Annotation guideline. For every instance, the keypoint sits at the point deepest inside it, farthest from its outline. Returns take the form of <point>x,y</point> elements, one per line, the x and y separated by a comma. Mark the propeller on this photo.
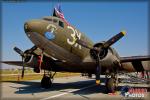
<point>98,51</point>
<point>24,55</point>
<point>114,39</point>
<point>19,51</point>
<point>22,74</point>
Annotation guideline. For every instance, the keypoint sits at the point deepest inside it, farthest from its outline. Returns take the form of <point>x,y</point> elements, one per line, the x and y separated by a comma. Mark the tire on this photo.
<point>89,75</point>
<point>110,85</point>
<point>46,82</point>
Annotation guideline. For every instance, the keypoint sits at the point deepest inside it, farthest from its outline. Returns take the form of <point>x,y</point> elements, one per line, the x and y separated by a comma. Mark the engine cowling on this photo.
<point>33,60</point>
<point>102,54</point>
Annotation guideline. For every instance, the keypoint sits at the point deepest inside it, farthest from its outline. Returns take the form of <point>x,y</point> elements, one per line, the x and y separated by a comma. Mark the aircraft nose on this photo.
<point>38,27</point>
<point>32,26</point>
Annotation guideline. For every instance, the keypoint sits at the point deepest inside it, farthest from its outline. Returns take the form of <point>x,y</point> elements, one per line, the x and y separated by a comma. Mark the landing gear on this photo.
<point>111,83</point>
<point>47,80</point>
<point>89,75</point>
<point>110,86</point>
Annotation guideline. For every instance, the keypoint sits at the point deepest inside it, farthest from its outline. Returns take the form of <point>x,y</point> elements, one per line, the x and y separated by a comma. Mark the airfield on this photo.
<point>73,87</point>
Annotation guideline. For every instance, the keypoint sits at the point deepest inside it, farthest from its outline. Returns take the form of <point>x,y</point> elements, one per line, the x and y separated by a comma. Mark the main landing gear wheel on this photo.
<point>46,82</point>
<point>110,85</point>
<point>47,79</point>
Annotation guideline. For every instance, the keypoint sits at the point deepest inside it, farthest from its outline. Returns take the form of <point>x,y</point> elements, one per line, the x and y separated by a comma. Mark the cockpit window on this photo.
<point>61,24</point>
<point>48,19</point>
<point>54,20</point>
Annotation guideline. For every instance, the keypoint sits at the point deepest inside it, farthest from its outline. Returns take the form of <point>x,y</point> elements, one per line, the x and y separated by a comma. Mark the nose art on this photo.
<point>49,35</point>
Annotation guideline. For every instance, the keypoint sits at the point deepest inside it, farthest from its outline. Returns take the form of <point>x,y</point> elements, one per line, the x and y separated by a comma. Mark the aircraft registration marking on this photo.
<point>75,35</point>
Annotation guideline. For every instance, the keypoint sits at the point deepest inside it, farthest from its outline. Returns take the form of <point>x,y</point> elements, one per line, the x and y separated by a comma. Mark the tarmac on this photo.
<point>70,88</point>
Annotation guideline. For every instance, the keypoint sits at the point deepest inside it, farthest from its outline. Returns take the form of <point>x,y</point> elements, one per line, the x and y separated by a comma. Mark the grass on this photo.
<point>32,75</point>
<point>14,71</point>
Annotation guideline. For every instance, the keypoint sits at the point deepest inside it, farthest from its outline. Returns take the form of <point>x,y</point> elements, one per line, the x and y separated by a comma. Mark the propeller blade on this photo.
<point>19,51</point>
<point>22,74</point>
<point>114,39</point>
<point>98,70</point>
<point>83,43</point>
<point>31,50</point>
<point>24,54</point>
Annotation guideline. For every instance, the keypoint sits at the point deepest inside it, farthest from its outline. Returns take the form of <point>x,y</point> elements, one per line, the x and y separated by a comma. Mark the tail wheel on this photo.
<point>110,85</point>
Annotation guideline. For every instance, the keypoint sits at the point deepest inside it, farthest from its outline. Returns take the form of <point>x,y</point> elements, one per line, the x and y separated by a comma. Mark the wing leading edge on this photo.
<point>17,63</point>
<point>134,58</point>
<point>136,63</point>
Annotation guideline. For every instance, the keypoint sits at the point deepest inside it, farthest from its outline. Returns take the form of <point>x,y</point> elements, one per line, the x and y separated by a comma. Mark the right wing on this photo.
<point>32,62</point>
<point>17,63</point>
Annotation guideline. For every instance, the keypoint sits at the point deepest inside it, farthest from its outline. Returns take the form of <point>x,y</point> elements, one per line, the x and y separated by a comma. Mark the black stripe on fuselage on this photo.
<point>138,66</point>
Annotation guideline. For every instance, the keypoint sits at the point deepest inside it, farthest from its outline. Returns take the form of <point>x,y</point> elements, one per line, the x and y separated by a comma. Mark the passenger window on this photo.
<point>61,24</point>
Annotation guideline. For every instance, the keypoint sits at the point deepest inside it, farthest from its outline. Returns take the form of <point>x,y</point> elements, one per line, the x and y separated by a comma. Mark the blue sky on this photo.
<point>98,20</point>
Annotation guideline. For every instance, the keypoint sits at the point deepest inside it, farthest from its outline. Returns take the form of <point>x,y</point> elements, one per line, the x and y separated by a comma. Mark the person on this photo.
<point>147,74</point>
<point>142,74</point>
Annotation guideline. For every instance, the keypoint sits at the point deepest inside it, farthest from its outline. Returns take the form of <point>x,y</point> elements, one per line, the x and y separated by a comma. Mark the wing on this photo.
<point>135,58</point>
<point>135,63</point>
<point>30,63</point>
<point>17,63</point>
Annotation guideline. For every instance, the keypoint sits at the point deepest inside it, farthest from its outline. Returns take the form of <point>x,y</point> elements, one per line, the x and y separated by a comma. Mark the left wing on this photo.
<point>136,63</point>
<point>135,58</point>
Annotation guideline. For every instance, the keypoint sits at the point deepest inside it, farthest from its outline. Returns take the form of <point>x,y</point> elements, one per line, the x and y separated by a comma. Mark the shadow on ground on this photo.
<point>32,87</point>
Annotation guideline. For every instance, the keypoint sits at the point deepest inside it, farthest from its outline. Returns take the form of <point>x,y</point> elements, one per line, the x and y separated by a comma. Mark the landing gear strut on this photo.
<point>47,79</point>
<point>111,83</point>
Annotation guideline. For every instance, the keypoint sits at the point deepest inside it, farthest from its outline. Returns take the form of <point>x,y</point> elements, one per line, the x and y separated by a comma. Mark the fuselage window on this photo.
<point>61,24</point>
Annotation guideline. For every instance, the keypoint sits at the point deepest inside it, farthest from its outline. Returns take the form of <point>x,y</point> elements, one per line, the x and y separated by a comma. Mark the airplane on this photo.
<point>60,47</point>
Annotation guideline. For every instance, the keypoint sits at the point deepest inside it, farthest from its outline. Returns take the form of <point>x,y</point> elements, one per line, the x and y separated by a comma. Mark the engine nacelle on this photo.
<point>33,60</point>
<point>102,54</point>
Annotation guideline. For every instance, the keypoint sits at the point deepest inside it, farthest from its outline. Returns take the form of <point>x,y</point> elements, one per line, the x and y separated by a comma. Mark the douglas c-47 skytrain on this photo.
<point>60,47</point>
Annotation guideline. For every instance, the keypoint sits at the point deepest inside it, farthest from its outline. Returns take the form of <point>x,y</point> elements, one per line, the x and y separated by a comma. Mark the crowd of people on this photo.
<point>145,74</point>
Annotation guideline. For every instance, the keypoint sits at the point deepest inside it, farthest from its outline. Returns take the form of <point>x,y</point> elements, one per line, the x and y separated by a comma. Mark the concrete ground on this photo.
<point>75,87</point>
